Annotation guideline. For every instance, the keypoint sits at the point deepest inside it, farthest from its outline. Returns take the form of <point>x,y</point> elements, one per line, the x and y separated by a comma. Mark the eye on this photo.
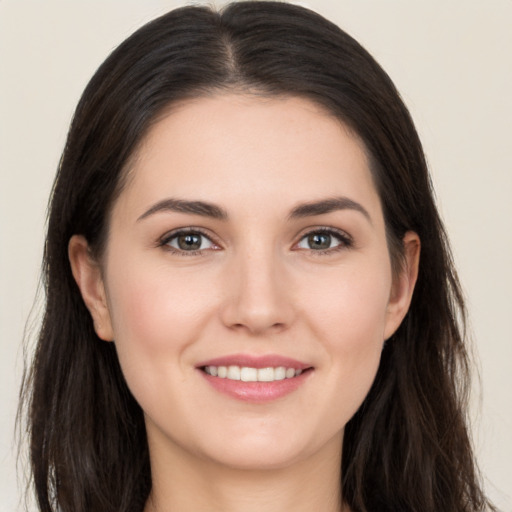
<point>188,241</point>
<point>324,240</point>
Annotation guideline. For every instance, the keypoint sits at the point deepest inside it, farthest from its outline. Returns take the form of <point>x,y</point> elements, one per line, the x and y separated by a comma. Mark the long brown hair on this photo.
<point>407,448</point>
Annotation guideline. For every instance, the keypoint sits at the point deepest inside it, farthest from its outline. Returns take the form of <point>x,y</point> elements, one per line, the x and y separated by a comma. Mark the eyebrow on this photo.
<point>182,206</point>
<point>206,209</point>
<point>327,206</point>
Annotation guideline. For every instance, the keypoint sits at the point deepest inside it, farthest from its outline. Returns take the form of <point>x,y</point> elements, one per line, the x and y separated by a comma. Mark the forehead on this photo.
<point>219,148</point>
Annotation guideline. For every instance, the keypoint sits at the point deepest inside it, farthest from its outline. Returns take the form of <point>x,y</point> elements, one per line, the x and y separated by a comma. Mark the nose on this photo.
<point>258,296</point>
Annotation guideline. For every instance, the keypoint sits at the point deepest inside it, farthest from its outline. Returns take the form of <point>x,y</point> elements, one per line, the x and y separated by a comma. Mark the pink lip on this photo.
<point>250,361</point>
<point>256,391</point>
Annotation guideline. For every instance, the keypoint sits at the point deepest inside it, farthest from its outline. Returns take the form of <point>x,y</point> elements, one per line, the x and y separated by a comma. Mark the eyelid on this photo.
<point>164,240</point>
<point>346,240</point>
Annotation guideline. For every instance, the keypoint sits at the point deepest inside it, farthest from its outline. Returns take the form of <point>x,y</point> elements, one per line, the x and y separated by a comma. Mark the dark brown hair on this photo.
<point>407,447</point>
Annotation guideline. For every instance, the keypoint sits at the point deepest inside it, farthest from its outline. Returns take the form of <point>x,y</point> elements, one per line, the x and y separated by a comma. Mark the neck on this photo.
<point>186,485</point>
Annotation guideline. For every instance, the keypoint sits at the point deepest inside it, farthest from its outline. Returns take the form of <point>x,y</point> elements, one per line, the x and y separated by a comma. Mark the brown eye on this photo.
<point>325,240</point>
<point>319,241</point>
<point>189,241</point>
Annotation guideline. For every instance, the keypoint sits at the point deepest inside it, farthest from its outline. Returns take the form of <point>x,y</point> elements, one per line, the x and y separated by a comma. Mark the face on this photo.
<point>247,283</point>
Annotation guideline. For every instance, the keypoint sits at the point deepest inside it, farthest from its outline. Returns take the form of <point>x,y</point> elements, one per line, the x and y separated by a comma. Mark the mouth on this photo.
<point>255,378</point>
<point>251,374</point>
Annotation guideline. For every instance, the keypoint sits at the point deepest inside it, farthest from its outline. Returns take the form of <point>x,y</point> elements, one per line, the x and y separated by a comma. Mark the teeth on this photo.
<point>248,374</point>
<point>280,373</point>
<point>266,374</point>
<point>290,372</point>
<point>233,372</point>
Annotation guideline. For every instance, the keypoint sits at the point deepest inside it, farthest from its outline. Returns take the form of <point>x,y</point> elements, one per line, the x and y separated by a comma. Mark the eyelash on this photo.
<point>166,240</point>
<point>345,241</point>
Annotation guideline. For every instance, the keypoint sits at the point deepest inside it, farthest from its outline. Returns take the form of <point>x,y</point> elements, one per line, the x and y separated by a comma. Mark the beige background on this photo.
<point>452,62</point>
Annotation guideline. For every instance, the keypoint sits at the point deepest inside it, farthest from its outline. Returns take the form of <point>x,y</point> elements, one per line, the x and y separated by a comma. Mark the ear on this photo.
<point>87,274</point>
<point>403,284</point>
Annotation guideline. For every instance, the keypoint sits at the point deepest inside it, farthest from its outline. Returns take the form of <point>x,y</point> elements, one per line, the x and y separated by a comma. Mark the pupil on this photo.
<point>189,242</point>
<point>319,241</point>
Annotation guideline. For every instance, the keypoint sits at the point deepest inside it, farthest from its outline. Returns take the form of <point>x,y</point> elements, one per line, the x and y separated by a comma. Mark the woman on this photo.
<point>237,311</point>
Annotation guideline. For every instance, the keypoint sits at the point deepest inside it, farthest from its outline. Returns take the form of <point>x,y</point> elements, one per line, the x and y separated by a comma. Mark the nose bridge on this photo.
<point>258,299</point>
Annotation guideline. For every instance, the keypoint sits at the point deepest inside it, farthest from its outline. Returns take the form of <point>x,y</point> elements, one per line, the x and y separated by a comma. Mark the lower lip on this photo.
<point>256,391</point>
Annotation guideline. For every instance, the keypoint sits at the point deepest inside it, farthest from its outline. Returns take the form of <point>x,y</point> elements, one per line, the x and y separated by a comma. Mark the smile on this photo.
<point>249,374</point>
<point>255,379</point>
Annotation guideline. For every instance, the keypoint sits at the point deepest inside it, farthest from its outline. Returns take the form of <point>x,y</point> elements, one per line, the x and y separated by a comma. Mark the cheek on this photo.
<point>156,313</point>
<point>349,308</point>
<point>157,317</point>
<point>349,317</point>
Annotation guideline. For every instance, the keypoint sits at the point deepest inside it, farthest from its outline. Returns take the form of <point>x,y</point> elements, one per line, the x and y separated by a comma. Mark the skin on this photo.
<point>257,286</point>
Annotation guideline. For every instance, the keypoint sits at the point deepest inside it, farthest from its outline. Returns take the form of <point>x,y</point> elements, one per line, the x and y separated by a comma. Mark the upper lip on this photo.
<point>252,361</point>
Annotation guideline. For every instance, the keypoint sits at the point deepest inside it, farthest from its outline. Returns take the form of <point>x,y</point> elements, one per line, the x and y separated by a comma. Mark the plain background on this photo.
<point>452,62</point>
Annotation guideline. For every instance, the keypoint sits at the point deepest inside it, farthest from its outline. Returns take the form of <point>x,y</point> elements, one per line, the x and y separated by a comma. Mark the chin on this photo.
<point>270,451</point>
<point>254,458</point>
